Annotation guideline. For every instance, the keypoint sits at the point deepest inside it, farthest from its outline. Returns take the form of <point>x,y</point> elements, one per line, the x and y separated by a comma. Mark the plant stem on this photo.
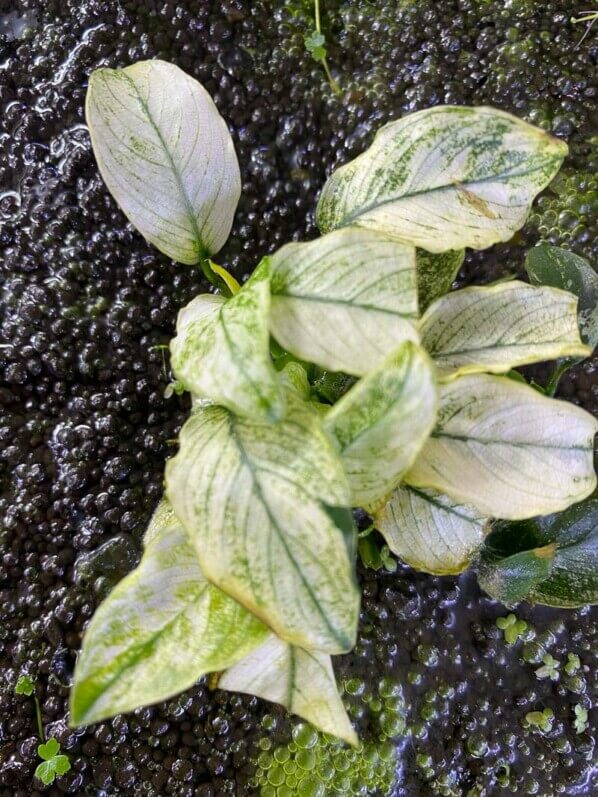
<point>366,532</point>
<point>555,377</point>
<point>231,283</point>
<point>333,84</point>
<point>317,15</point>
<point>38,715</point>
<point>214,273</point>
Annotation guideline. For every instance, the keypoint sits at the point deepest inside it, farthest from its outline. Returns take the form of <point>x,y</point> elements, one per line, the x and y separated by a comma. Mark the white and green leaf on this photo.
<point>436,274</point>
<point>430,532</point>
<point>166,155</point>
<point>346,300</point>
<point>160,629</point>
<point>506,449</point>
<point>383,421</point>
<point>221,350</point>
<point>264,506</point>
<point>445,178</point>
<point>300,680</point>
<point>496,328</point>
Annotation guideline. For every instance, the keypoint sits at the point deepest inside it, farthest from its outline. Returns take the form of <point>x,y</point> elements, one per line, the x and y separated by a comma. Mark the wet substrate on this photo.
<point>85,428</point>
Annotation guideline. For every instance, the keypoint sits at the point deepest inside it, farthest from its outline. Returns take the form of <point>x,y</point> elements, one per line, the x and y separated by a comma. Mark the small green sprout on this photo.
<point>372,556</point>
<point>573,664</point>
<point>550,668</point>
<point>173,388</point>
<point>25,686</point>
<point>580,723</point>
<point>542,720</point>
<point>315,44</point>
<point>511,627</point>
<point>53,763</point>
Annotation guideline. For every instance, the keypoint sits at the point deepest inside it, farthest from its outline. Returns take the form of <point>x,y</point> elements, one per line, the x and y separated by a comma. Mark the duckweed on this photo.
<point>314,764</point>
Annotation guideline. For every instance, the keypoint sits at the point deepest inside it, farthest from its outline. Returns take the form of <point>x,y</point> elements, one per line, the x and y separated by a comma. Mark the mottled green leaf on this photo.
<point>436,274</point>
<point>549,265</point>
<point>381,424</point>
<point>166,155</point>
<point>346,300</point>
<point>300,680</point>
<point>158,631</point>
<point>254,498</point>
<point>551,560</point>
<point>512,579</point>
<point>221,350</point>
<point>499,327</point>
<point>506,449</point>
<point>445,178</point>
<point>430,532</point>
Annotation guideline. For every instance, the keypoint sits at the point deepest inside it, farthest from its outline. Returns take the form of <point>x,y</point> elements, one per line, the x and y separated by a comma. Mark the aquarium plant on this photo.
<point>53,763</point>
<point>248,569</point>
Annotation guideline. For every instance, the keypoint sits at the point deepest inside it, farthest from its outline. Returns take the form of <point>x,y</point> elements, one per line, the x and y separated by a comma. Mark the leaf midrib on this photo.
<point>356,214</point>
<point>202,252</point>
<point>246,460</point>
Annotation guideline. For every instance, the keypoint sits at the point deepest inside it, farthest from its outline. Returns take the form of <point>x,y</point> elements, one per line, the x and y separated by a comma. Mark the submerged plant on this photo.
<point>248,568</point>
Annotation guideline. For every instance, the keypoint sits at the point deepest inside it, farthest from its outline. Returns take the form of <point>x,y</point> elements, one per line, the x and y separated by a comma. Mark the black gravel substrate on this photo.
<point>85,429</point>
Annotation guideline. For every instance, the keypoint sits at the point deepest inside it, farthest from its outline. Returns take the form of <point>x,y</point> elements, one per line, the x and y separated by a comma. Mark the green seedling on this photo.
<point>53,763</point>
<point>315,44</point>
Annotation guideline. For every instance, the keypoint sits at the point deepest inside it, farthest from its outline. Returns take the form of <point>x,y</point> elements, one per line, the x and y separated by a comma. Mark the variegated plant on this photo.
<point>248,569</point>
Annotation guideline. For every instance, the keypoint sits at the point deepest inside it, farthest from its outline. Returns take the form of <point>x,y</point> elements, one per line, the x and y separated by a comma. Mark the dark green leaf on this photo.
<point>436,274</point>
<point>330,385</point>
<point>551,560</point>
<point>369,553</point>
<point>549,265</point>
<point>511,579</point>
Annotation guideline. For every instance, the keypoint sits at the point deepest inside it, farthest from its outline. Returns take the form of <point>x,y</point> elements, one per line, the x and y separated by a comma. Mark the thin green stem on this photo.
<point>555,377</point>
<point>333,83</point>
<point>317,15</point>
<point>38,715</point>
<point>587,16</point>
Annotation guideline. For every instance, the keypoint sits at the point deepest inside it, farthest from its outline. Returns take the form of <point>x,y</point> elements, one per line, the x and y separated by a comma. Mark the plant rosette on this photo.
<point>342,374</point>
